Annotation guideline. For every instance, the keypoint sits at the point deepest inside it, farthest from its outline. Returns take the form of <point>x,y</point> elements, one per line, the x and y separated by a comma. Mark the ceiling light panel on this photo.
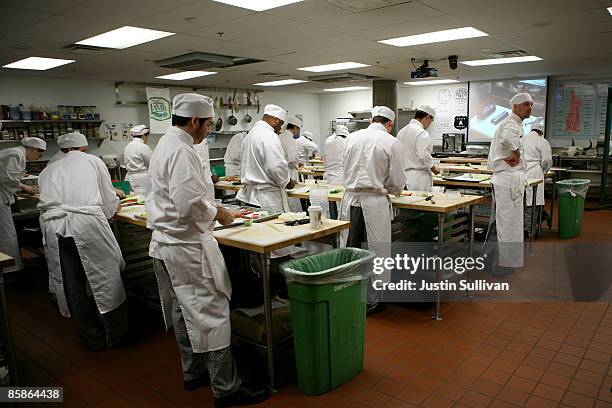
<point>258,5</point>
<point>124,37</point>
<point>38,63</point>
<point>334,67</point>
<point>435,37</point>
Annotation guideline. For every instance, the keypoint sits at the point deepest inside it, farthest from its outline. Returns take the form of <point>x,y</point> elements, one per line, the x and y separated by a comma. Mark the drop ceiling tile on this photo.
<point>355,22</point>
<point>415,27</point>
<point>307,11</point>
<point>252,24</point>
<point>68,29</point>
<point>120,11</point>
<point>239,49</point>
<point>174,45</point>
<point>192,16</point>
<point>14,20</point>
<point>54,6</point>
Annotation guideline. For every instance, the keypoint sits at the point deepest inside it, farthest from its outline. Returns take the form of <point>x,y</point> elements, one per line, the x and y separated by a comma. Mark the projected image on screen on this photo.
<point>489,105</point>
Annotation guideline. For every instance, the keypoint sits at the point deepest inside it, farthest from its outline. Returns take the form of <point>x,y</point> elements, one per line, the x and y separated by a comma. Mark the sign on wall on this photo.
<point>160,109</point>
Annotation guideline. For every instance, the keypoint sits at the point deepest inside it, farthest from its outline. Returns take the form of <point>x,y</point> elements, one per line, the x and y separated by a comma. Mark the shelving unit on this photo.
<point>48,129</point>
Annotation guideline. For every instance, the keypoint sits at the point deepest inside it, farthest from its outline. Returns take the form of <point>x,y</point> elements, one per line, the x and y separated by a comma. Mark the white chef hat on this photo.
<point>537,126</point>
<point>192,105</point>
<point>384,112</point>
<point>139,130</point>
<point>307,135</point>
<point>428,110</point>
<point>34,142</point>
<point>295,121</point>
<point>342,130</point>
<point>73,139</point>
<point>520,98</point>
<point>276,111</point>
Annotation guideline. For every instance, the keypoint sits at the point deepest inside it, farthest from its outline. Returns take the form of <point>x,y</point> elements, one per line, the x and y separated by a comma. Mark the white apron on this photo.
<point>138,182</point>
<point>534,171</point>
<point>203,289</point>
<point>419,180</point>
<point>98,249</point>
<point>509,187</point>
<point>8,237</point>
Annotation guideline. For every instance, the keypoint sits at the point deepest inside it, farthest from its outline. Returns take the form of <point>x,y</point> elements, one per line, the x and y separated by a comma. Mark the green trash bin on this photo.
<point>572,193</point>
<point>328,304</point>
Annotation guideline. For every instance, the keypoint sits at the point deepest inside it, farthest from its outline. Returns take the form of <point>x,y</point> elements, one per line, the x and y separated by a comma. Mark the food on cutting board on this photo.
<point>406,193</point>
<point>229,178</point>
<point>142,215</point>
<point>291,216</point>
<point>336,191</point>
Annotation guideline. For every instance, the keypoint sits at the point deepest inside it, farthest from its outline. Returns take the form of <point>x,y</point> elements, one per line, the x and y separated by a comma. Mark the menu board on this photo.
<point>580,109</point>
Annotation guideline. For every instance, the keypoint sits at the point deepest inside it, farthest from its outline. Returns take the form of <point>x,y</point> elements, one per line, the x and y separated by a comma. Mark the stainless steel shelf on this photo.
<point>52,140</point>
<point>50,121</point>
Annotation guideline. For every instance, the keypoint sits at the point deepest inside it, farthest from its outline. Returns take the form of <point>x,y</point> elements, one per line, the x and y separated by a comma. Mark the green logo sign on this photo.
<point>159,108</point>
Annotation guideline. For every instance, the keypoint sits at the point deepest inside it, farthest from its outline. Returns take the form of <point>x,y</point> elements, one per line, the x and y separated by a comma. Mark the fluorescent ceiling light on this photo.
<point>497,61</point>
<point>281,82</point>
<point>334,67</point>
<point>347,88</point>
<point>610,10</point>
<point>181,76</point>
<point>432,82</point>
<point>124,37</point>
<point>435,37</point>
<point>38,63</point>
<point>258,5</point>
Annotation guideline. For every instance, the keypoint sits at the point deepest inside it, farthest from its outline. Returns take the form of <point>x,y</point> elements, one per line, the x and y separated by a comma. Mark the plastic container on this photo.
<point>14,112</point>
<point>218,170</point>
<point>319,197</point>
<point>123,185</point>
<point>327,295</point>
<point>572,193</point>
<point>26,113</point>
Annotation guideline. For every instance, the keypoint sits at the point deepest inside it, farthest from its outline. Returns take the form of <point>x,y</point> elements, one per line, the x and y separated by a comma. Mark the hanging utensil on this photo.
<point>257,98</point>
<point>247,118</point>
<point>236,103</point>
<point>218,124</point>
<point>232,120</point>
<point>248,98</point>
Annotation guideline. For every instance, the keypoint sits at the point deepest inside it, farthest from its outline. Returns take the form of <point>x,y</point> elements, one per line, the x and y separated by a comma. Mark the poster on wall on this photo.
<point>160,113</point>
<point>575,110</point>
<point>489,103</point>
<point>450,103</point>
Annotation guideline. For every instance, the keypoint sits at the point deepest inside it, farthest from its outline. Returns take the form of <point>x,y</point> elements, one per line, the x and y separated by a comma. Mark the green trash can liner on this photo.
<point>327,293</point>
<point>572,194</point>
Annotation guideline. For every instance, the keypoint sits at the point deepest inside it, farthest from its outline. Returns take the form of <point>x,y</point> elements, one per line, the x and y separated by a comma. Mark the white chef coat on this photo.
<point>334,166</point>
<point>538,160</point>
<point>182,219</point>
<point>12,167</point>
<point>76,200</point>
<point>417,151</point>
<point>137,156</point>
<point>204,156</point>
<point>306,148</point>
<point>373,168</point>
<point>509,187</point>
<point>290,149</point>
<point>233,155</point>
<point>59,155</point>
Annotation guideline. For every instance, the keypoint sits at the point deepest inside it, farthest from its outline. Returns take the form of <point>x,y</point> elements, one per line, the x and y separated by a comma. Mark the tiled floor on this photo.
<point>483,354</point>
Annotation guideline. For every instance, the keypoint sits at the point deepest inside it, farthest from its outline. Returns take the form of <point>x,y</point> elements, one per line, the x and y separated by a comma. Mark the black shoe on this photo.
<point>243,396</point>
<point>373,308</point>
<point>192,385</point>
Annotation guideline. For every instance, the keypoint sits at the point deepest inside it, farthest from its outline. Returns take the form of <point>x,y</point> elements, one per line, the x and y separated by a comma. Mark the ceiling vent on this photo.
<point>359,6</point>
<point>272,74</point>
<point>508,54</point>
<point>201,60</point>
<point>85,49</point>
<point>340,77</point>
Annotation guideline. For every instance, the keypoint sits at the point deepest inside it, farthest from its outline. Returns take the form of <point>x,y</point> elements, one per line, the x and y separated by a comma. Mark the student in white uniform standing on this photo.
<point>12,169</point>
<point>417,150</point>
<point>538,160</point>
<point>335,145</point>
<point>233,155</point>
<point>290,148</point>
<point>507,161</point>
<point>76,200</point>
<point>373,168</point>
<point>137,156</point>
<point>69,140</point>
<point>191,273</point>
<point>306,147</point>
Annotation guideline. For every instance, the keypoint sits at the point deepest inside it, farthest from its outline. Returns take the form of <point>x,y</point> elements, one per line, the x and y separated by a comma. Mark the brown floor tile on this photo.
<point>450,391</point>
<point>598,356</point>
<point>577,401</point>
<point>572,350</point>
<point>594,366</point>
<point>577,341</point>
<point>475,400</point>
<point>548,392</point>
<point>412,395</point>
<point>539,402</point>
<point>584,388</point>
<point>562,369</point>
<point>424,383</point>
<point>589,376</point>
<point>567,359</point>
<point>555,380</point>
<point>536,362</point>
<point>437,402</point>
<point>605,394</point>
<point>529,372</point>
<point>389,387</point>
<point>395,403</point>
<point>472,369</point>
<point>519,347</point>
<point>601,347</point>
<point>481,359</point>
<point>542,353</point>
<point>369,397</point>
<point>461,380</point>
<point>512,356</point>
<point>513,396</point>
<point>522,384</point>
<point>502,404</point>
<point>505,366</point>
<point>549,344</point>
<point>497,377</point>
<point>487,388</point>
